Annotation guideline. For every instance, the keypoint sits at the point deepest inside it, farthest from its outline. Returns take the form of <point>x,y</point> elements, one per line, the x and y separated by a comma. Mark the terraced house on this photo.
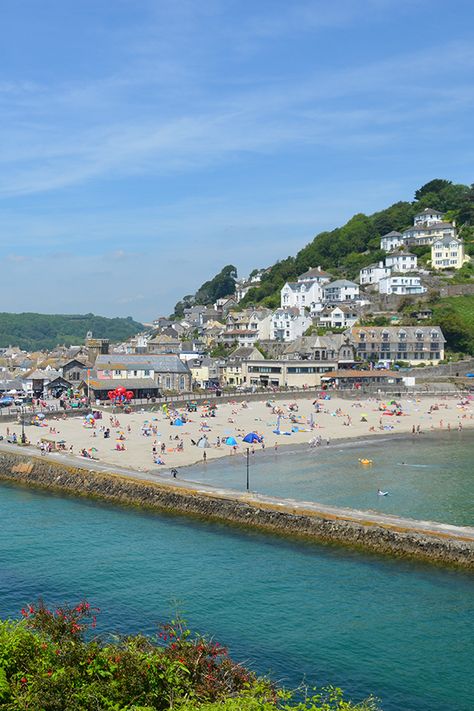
<point>413,344</point>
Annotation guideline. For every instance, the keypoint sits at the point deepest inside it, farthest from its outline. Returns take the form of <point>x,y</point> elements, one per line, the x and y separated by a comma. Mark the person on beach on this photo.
<point>204,456</point>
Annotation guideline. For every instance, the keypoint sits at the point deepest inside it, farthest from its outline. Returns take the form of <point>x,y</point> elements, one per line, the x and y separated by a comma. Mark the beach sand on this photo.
<point>339,418</point>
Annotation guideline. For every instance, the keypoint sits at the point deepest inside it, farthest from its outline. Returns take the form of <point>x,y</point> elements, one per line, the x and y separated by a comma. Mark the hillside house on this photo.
<point>339,291</point>
<point>403,285</point>
<point>448,253</point>
<point>288,324</point>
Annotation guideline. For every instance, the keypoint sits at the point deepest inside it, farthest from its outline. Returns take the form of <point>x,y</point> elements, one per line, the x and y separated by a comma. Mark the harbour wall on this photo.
<point>283,518</point>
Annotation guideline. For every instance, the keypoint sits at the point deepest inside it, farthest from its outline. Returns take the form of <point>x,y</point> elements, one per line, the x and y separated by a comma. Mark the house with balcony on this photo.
<point>414,344</point>
<point>402,285</point>
<point>338,316</point>
<point>340,291</point>
<point>401,262</point>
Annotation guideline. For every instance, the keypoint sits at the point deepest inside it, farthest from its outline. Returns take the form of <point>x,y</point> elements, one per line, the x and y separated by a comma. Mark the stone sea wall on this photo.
<point>51,475</point>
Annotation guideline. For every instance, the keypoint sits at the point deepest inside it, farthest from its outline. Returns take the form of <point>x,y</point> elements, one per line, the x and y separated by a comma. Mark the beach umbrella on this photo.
<point>178,422</point>
<point>231,441</point>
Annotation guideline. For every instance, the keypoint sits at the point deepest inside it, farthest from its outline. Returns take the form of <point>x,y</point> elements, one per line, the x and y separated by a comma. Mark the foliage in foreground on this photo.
<point>51,661</point>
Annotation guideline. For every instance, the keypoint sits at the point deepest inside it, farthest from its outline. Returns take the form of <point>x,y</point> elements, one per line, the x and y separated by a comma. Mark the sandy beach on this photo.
<point>141,439</point>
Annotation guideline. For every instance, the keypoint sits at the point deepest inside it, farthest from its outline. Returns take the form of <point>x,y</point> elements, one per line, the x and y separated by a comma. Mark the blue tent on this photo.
<point>179,422</point>
<point>231,441</point>
<point>252,437</point>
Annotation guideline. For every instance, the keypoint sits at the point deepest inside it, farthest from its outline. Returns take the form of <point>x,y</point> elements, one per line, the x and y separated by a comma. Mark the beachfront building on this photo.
<point>283,373</point>
<point>339,291</point>
<point>231,371</point>
<point>288,323</point>
<point>402,285</point>
<point>414,344</point>
<point>448,253</point>
<point>166,371</point>
<point>333,350</point>
<point>204,372</point>
<point>373,273</point>
<point>306,292</point>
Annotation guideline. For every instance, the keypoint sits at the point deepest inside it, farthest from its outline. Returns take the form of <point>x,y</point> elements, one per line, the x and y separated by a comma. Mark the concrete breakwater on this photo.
<point>390,535</point>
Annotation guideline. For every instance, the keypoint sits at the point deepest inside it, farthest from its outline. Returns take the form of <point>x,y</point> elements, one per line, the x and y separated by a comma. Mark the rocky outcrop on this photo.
<point>53,475</point>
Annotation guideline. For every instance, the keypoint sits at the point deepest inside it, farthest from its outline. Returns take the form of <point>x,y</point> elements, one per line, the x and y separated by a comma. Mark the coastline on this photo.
<point>339,421</point>
<point>383,534</point>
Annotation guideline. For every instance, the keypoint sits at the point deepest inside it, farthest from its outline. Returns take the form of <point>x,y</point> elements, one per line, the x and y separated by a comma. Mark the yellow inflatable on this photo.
<point>366,461</point>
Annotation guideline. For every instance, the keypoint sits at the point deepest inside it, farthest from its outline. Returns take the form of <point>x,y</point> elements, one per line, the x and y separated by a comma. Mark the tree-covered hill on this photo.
<point>32,331</point>
<point>345,250</point>
<point>223,284</point>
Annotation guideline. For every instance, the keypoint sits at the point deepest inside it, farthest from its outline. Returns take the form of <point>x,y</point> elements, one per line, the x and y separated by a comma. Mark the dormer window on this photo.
<point>434,334</point>
<point>385,335</point>
<point>402,335</point>
<point>419,335</point>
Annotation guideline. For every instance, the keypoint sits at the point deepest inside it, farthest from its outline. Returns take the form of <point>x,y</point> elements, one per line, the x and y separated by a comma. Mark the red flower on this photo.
<point>24,680</point>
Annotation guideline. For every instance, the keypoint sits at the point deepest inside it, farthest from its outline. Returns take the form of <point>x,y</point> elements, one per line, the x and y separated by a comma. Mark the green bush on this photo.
<point>52,660</point>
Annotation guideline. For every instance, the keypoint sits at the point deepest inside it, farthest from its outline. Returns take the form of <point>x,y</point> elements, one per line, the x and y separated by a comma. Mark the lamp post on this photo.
<point>22,413</point>
<point>248,468</point>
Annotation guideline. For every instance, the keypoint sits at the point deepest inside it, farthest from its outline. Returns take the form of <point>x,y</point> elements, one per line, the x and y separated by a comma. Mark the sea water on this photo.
<point>401,630</point>
<point>427,477</point>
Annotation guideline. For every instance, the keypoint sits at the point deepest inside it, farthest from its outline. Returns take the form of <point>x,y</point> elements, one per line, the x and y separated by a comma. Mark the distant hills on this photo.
<point>33,332</point>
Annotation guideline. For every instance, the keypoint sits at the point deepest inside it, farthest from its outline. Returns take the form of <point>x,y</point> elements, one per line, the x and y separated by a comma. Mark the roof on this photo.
<point>400,253</point>
<point>393,233</point>
<point>393,331</point>
<point>129,383</point>
<point>428,211</point>
<point>340,283</point>
<point>447,240</point>
<point>314,273</point>
<point>430,228</point>
<point>158,363</point>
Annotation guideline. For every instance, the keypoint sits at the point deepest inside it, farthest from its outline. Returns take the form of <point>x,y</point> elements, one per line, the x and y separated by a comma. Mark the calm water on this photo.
<point>401,630</point>
<point>427,477</point>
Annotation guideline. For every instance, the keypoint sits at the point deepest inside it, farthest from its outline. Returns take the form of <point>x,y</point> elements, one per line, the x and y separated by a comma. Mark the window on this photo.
<point>117,372</point>
<point>146,373</point>
<point>135,373</point>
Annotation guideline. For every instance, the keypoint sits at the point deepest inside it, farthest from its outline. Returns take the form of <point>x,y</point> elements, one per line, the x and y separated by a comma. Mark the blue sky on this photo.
<point>147,143</point>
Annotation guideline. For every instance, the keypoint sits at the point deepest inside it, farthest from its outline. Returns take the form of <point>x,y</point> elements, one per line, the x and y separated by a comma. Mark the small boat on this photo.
<point>382,493</point>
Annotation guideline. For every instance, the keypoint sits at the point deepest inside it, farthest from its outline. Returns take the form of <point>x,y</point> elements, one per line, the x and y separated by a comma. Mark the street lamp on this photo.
<point>23,436</point>
<point>248,468</point>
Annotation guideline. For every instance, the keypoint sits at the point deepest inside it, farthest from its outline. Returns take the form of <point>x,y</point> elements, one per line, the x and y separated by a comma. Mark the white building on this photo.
<point>401,285</point>
<point>340,290</point>
<point>428,216</point>
<point>392,240</point>
<point>343,316</point>
<point>448,253</point>
<point>307,291</point>
<point>373,273</point>
<point>401,262</point>
<point>288,324</point>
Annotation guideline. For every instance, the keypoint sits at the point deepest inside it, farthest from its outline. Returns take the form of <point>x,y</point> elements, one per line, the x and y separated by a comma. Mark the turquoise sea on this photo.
<point>428,477</point>
<point>401,630</point>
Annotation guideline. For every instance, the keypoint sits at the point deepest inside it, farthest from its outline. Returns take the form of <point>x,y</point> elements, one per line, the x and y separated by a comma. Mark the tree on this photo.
<point>433,187</point>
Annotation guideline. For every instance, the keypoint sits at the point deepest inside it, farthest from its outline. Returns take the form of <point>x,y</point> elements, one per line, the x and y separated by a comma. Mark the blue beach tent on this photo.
<point>252,437</point>
<point>231,441</point>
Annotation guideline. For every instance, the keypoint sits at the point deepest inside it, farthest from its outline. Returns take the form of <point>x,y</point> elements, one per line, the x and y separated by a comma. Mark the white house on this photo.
<point>343,316</point>
<point>401,262</point>
<point>392,240</point>
<point>340,290</point>
<point>373,273</point>
<point>426,234</point>
<point>428,216</point>
<point>448,253</point>
<point>401,285</point>
<point>288,324</point>
<point>307,291</point>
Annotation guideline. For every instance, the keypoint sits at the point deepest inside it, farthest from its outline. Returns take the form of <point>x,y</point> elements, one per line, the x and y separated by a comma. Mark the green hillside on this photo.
<point>455,315</point>
<point>33,332</point>
<point>345,250</point>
